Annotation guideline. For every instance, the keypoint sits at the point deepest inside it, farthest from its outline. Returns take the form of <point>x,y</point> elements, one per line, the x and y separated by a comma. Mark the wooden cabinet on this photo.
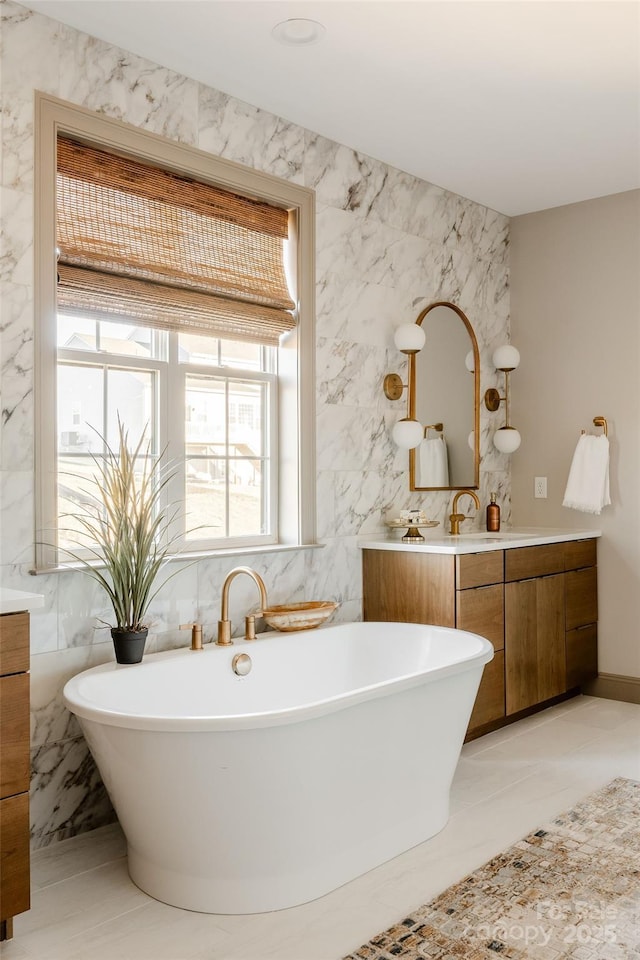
<point>537,606</point>
<point>14,769</point>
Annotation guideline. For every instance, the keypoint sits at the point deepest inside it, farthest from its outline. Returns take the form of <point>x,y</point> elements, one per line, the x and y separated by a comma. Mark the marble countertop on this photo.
<point>14,601</point>
<point>479,541</point>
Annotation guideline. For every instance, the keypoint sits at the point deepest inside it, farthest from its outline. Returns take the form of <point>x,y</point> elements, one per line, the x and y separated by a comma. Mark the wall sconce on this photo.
<point>507,439</point>
<point>409,339</point>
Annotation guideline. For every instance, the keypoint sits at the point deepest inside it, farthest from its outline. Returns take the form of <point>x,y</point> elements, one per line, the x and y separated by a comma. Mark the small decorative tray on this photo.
<point>413,527</point>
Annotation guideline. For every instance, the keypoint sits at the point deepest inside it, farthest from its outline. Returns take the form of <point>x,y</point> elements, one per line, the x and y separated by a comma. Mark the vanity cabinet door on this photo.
<point>408,588</point>
<point>482,611</point>
<point>14,856</point>
<point>14,734</point>
<point>535,660</point>
<point>14,768</point>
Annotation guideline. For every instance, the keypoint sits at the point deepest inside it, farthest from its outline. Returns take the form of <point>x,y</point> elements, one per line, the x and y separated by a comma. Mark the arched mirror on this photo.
<point>444,392</point>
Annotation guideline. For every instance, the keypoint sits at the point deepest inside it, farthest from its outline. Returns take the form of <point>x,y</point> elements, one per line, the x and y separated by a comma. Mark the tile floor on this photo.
<point>84,907</point>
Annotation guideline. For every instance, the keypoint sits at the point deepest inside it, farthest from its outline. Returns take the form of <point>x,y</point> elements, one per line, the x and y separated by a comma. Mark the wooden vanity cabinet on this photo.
<point>14,769</point>
<point>537,605</point>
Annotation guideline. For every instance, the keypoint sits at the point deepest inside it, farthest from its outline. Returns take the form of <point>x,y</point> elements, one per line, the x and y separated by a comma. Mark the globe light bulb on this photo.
<point>506,357</point>
<point>409,338</point>
<point>407,433</point>
<point>506,439</point>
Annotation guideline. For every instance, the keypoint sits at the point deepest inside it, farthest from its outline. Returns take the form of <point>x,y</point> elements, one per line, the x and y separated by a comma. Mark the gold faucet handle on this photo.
<point>250,627</point>
<point>196,634</point>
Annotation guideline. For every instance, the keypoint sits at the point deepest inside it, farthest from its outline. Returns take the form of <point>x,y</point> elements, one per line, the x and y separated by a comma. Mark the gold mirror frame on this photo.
<point>476,399</point>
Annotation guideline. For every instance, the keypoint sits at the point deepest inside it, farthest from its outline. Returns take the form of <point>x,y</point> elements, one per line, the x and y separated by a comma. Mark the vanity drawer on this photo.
<point>482,611</point>
<point>579,553</point>
<point>14,734</point>
<point>524,563</point>
<point>14,856</point>
<point>581,595</point>
<point>479,569</point>
<point>14,643</point>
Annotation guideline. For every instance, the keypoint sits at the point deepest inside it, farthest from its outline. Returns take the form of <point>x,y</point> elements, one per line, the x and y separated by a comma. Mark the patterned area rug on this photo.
<point>568,891</point>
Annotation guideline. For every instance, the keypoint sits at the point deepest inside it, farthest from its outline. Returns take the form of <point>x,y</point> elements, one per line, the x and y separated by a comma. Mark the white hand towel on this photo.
<point>433,463</point>
<point>588,483</point>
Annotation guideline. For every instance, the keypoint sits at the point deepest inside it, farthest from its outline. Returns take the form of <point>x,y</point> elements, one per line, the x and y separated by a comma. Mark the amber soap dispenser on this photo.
<point>493,515</point>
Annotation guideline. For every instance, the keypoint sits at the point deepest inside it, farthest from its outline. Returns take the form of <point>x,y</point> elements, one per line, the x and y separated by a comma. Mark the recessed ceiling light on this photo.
<point>299,31</point>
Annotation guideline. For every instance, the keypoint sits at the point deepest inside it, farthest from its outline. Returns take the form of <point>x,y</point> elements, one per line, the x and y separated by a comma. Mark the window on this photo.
<point>220,380</point>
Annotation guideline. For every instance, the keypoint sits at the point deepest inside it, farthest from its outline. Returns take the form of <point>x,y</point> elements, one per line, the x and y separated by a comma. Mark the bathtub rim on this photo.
<point>85,709</point>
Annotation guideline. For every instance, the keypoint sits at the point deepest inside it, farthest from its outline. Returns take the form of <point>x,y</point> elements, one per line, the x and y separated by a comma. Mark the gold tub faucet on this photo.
<point>224,624</point>
<point>455,518</point>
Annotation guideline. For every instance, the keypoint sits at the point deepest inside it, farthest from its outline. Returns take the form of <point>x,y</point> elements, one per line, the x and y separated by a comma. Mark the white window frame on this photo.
<point>167,427</point>
<point>296,355</point>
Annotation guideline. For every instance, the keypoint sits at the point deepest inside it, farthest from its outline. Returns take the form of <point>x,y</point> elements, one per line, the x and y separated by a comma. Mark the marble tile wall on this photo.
<point>387,245</point>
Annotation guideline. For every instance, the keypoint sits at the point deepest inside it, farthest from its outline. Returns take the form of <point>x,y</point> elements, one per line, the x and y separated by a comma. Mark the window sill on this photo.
<point>194,556</point>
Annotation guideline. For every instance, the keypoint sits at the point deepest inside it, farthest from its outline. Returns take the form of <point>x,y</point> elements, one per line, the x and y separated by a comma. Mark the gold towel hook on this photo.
<point>601,422</point>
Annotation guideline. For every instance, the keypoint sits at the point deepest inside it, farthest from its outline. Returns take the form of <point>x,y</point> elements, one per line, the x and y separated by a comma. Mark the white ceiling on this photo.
<point>517,104</point>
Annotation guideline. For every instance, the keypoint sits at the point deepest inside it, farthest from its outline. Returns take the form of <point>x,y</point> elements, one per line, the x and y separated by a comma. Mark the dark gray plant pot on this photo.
<point>128,644</point>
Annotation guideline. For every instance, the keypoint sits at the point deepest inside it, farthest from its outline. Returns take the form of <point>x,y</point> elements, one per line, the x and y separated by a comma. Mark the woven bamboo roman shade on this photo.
<point>163,250</point>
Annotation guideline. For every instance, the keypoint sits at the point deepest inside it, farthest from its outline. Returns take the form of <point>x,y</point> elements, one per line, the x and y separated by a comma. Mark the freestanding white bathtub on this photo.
<point>248,794</point>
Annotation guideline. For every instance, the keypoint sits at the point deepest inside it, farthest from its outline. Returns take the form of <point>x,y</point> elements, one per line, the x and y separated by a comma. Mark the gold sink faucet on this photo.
<point>455,518</point>
<point>224,624</point>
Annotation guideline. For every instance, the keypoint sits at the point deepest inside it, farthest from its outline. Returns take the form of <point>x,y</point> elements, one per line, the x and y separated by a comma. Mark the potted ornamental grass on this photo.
<point>126,537</point>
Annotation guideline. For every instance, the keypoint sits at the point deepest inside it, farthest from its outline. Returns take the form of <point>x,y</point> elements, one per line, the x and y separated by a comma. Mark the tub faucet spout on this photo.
<point>224,623</point>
